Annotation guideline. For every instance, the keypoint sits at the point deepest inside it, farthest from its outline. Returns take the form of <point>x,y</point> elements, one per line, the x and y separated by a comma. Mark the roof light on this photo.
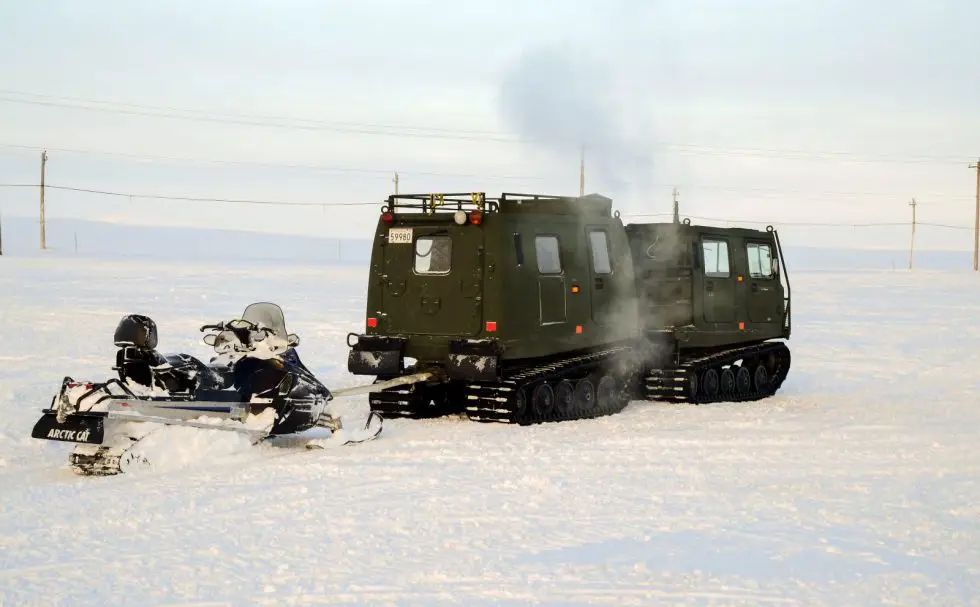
<point>387,217</point>
<point>459,217</point>
<point>476,217</point>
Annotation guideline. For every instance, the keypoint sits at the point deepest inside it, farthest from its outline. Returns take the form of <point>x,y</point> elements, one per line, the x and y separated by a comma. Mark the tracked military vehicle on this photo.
<point>532,308</point>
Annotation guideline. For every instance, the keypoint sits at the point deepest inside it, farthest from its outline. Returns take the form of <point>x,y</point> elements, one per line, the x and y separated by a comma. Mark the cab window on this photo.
<point>433,254</point>
<point>715,255</point>
<point>760,260</point>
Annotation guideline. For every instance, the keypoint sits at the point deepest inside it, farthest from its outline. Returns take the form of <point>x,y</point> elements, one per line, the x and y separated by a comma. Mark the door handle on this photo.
<point>755,287</point>
<point>598,283</point>
<point>710,285</point>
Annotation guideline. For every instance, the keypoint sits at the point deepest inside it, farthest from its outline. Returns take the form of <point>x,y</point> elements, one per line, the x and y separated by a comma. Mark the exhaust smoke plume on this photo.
<point>563,98</point>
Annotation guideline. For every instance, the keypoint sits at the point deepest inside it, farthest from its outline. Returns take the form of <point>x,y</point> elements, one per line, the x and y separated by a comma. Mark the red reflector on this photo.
<point>372,322</point>
<point>476,217</point>
<point>491,326</point>
<point>387,217</point>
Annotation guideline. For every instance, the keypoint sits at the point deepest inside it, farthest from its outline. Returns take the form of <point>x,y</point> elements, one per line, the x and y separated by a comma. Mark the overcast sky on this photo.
<point>768,110</point>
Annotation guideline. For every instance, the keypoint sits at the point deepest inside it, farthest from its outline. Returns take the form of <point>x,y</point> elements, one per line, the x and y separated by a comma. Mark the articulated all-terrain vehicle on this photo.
<point>532,308</point>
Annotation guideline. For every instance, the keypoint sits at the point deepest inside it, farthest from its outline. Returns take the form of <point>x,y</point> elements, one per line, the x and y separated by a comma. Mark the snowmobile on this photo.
<point>255,386</point>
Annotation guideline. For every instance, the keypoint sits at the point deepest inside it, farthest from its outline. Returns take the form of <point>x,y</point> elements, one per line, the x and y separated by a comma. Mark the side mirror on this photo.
<point>293,340</point>
<point>211,339</point>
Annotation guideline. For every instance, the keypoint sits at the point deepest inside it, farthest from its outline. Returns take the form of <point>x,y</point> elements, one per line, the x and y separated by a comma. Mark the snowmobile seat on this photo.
<point>138,360</point>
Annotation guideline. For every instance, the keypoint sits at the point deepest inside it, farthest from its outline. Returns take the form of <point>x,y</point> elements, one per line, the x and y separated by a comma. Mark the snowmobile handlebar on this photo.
<point>246,334</point>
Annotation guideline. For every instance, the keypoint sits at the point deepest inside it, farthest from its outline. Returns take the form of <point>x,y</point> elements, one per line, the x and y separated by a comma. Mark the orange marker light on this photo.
<point>574,288</point>
<point>741,326</point>
<point>740,278</point>
<point>491,326</point>
<point>578,328</point>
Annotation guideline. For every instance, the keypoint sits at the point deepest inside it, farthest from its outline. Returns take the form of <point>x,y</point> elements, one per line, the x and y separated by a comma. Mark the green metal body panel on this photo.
<point>710,287</point>
<point>541,277</point>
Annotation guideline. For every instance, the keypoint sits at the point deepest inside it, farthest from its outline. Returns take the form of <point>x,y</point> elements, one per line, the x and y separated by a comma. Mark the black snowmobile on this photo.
<point>256,385</point>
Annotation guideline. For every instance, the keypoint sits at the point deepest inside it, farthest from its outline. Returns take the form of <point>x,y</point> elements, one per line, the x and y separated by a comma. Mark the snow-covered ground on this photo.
<point>856,485</point>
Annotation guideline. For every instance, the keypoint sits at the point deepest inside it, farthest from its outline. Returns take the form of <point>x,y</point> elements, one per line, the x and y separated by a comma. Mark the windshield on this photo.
<point>268,314</point>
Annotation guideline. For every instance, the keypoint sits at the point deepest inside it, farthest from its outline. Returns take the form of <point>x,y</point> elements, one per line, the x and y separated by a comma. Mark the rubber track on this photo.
<point>674,385</point>
<point>414,401</point>
<point>498,402</point>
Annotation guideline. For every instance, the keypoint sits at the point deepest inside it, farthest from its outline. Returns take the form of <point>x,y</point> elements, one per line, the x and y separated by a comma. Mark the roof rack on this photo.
<point>430,203</point>
<point>458,201</point>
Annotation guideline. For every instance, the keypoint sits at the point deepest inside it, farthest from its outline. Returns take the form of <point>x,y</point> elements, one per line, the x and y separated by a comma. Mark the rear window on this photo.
<point>433,254</point>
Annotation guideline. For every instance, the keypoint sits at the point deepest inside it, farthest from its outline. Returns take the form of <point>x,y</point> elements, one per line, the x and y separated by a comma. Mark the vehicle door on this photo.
<point>551,279</point>
<point>718,279</point>
<point>602,289</point>
<point>434,279</point>
<point>765,293</point>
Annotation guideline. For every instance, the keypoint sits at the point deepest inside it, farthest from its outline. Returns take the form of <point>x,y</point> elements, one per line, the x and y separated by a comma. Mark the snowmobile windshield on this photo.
<point>269,315</point>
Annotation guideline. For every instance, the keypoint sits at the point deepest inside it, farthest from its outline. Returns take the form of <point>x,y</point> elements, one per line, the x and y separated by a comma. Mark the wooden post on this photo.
<point>976,224</point>
<point>44,162</point>
<point>912,245</point>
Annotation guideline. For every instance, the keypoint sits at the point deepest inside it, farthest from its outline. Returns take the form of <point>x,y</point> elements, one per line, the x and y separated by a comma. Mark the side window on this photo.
<point>518,249</point>
<point>599,242</point>
<point>433,254</point>
<point>760,260</point>
<point>549,254</point>
<point>716,263</point>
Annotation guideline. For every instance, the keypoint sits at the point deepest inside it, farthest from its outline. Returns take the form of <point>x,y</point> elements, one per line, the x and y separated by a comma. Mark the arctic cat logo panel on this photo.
<point>75,429</point>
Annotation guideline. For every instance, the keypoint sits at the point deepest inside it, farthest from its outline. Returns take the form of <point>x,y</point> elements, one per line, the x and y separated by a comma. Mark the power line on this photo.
<point>735,221</point>
<point>385,174</point>
<point>433,132</point>
<point>266,123</point>
<point>310,167</point>
<point>192,198</point>
<point>250,116</point>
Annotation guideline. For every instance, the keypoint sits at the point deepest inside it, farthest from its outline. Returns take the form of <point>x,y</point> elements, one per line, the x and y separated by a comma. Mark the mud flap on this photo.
<point>89,429</point>
<point>376,355</point>
<point>474,360</point>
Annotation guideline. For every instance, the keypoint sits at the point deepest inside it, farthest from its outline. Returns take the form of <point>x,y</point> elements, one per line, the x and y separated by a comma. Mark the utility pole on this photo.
<point>581,173</point>
<point>677,208</point>
<point>1,236</point>
<point>396,183</point>
<point>44,162</point>
<point>976,225</point>
<point>912,246</point>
